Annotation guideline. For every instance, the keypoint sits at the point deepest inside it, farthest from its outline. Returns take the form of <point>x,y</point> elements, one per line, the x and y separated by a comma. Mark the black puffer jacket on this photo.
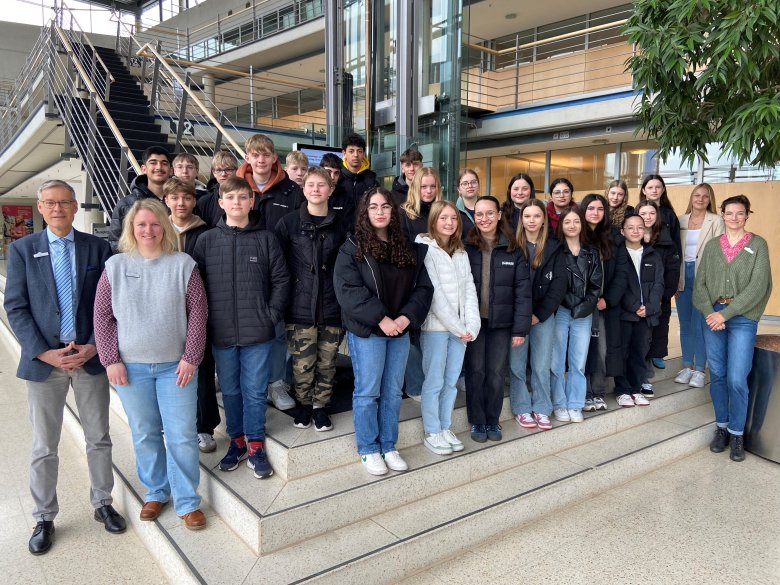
<point>510,287</point>
<point>311,250</point>
<point>647,289</point>
<point>400,189</point>
<point>666,247</point>
<point>357,285</point>
<point>672,223</point>
<point>277,201</point>
<point>139,189</point>
<point>584,275</point>
<point>207,207</point>
<point>419,225</point>
<point>247,283</point>
<point>349,189</point>
<point>549,285</point>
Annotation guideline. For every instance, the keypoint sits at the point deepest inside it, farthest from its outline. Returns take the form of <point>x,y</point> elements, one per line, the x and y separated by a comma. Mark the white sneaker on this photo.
<point>575,415</point>
<point>600,403</point>
<point>561,414</point>
<point>394,461</point>
<point>460,385</point>
<point>206,443</point>
<point>436,443</point>
<point>697,380</point>
<point>625,401</point>
<point>640,400</point>
<point>590,405</point>
<point>278,395</point>
<point>417,398</point>
<point>453,441</point>
<point>684,376</point>
<point>374,464</point>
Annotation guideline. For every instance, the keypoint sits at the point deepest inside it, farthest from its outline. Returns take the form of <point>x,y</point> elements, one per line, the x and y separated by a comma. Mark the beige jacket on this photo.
<point>711,228</point>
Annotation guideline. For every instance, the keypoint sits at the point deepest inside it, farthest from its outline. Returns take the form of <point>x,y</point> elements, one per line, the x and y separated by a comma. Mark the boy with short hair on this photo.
<point>275,195</point>
<point>411,161</point>
<point>332,163</point>
<point>356,178</point>
<point>223,166</point>
<point>295,165</point>
<point>186,167</point>
<point>640,274</point>
<point>247,285</point>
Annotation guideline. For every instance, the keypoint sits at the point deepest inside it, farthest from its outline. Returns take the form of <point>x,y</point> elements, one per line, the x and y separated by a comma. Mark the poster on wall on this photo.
<point>17,223</point>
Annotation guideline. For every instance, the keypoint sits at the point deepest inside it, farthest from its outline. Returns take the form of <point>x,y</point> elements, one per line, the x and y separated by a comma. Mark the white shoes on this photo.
<point>278,395</point>
<point>436,443</point>
<point>625,401</point>
<point>206,443</point>
<point>454,441</point>
<point>684,376</point>
<point>394,461</point>
<point>640,400</point>
<point>575,415</point>
<point>374,463</point>
<point>697,380</point>
<point>561,414</point>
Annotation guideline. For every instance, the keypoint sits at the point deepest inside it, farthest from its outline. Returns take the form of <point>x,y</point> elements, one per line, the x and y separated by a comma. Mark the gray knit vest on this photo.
<point>149,302</point>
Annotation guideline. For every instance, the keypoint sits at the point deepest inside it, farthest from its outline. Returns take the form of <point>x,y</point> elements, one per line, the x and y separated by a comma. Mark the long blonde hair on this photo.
<point>128,243</point>
<point>541,241</point>
<point>413,201</point>
<point>712,207</point>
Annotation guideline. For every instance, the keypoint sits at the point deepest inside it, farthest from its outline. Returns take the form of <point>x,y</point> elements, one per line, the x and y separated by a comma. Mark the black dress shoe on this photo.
<point>737,448</point>
<point>111,519</point>
<point>42,537</point>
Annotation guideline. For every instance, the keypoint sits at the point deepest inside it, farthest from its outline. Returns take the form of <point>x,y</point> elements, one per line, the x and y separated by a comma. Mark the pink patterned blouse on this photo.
<point>730,252</point>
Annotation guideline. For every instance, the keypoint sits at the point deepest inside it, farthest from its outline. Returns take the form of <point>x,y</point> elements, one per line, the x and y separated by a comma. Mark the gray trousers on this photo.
<point>46,403</point>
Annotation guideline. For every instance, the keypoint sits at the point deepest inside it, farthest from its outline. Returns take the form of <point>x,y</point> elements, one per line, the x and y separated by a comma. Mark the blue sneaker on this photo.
<point>259,462</point>
<point>493,432</point>
<point>659,363</point>
<point>478,433</point>
<point>233,457</point>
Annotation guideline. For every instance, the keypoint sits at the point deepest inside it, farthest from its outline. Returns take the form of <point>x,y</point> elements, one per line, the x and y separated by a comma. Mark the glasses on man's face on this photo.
<point>384,208</point>
<point>561,193</point>
<point>469,183</point>
<point>188,168</point>
<point>485,215</point>
<point>49,204</point>
<point>226,171</point>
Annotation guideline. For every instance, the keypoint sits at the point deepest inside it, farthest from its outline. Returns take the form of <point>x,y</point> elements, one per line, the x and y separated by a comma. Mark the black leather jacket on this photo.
<point>584,274</point>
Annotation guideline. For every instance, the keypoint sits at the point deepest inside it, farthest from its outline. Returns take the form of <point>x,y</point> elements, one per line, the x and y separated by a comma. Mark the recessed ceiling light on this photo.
<point>511,16</point>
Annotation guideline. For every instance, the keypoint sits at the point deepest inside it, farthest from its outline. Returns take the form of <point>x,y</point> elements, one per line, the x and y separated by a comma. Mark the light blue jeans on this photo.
<point>167,466</point>
<point>730,355</point>
<point>379,364</point>
<point>243,377</point>
<point>442,360</point>
<point>692,325</point>
<point>540,342</point>
<point>569,392</point>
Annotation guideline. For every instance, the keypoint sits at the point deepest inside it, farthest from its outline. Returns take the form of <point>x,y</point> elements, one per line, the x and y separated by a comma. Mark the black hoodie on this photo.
<point>139,189</point>
<point>349,190</point>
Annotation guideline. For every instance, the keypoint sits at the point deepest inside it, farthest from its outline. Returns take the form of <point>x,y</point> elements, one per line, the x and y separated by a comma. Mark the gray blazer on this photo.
<point>31,299</point>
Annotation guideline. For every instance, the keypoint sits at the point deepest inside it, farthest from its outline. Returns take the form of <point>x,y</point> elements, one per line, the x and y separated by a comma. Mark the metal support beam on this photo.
<point>334,70</point>
<point>218,141</point>
<point>90,163</point>
<point>252,104</point>
<point>182,115</point>
<point>407,98</point>
<point>155,82</point>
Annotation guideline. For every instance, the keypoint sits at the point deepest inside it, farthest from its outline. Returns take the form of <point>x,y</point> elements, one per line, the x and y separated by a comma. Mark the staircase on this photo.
<point>322,519</point>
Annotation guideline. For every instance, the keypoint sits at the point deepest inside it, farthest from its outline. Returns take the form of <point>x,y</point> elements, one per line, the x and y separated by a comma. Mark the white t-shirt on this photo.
<point>636,258</point>
<point>691,240</point>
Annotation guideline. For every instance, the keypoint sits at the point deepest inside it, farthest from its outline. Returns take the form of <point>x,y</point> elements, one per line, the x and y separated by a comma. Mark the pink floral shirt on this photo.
<point>730,252</point>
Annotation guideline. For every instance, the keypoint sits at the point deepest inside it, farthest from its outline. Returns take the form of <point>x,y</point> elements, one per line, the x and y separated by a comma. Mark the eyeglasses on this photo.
<point>485,215</point>
<point>469,184</point>
<point>384,208</point>
<point>184,167</point>
<point>735,215</point>
<point>49,204</point>
<point>226,171</point>
<point>564,192</point>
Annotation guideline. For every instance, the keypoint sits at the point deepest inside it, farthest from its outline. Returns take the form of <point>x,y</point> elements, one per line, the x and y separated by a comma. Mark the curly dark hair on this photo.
<point>396,249</point>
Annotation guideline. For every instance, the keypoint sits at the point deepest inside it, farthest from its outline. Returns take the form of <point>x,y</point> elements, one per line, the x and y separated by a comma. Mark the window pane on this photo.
<point>589,169</point>
<point>502,168</point>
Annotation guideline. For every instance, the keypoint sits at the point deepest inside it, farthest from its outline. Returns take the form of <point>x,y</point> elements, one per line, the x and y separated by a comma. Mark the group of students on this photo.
<point>426,291</point>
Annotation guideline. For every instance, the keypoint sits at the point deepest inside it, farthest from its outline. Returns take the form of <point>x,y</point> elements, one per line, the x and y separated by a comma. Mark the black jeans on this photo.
<point>208,410</point>
<point>659,343</point>
<point>486,364</point>
<point>635,337</point>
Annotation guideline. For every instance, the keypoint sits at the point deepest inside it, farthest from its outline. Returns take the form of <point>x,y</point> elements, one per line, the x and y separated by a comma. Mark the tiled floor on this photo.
<point>689,522</point>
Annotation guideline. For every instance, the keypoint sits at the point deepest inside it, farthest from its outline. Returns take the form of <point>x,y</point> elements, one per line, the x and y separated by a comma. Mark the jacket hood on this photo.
<point>364,166</point>
<point>277,175</point>
<point>212,183</point>
<point>140,186</point>
<point>194,222</point>
<point>400,184</point>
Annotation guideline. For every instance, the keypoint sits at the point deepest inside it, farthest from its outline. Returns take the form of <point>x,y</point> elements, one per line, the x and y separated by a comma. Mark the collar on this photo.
<point>52,237</point>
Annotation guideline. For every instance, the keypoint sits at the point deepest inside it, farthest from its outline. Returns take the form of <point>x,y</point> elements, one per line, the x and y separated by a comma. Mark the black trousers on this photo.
<point>208,409</point>
<point>659,343</point>
<point>635,337</point>
<point>486,364</point>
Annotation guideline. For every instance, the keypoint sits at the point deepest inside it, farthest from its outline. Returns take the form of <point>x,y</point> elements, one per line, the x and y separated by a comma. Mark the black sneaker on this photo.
<point>302,419</point>
<point>233,457</point>
<point>493,432</point>
<point>259,462</point>
<point>321,420</point>
<point>478,433</point>
<point>737,448</point>
<point>720,441</point>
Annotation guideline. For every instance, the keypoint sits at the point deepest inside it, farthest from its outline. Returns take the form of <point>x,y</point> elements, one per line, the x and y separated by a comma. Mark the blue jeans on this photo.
<point>692,325</point>
<point>442,360</point>
<point>569,392</point>
<point>279,361</point>
<point>378,363</point>
<point>540,342</point>
<point>730,354</point>
<point>413,376</point>
<point>155,404</point>
<point>243,376</point>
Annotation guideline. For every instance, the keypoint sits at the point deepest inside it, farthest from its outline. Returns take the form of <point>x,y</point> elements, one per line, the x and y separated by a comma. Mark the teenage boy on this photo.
<point>223,166</point>
<point>332,163</point>
<point>247,285</point>
<point>179,196</point>
<point>356,178</point>
<point>156,169</point>
<point>411,162</point>
<point>186,167</point>
<point>640,274</point>
<point>275,195</point>
<point>295,165</point>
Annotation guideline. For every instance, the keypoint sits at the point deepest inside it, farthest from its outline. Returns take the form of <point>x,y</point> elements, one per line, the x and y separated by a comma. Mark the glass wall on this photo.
<point>589,168</point>
<point>502,168</point>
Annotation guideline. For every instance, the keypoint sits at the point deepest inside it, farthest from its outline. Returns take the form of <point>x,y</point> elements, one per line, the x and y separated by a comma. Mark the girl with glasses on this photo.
<point>561,198</point>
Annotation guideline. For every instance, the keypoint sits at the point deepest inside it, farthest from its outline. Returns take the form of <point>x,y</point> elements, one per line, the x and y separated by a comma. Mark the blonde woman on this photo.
<point>423,191</point>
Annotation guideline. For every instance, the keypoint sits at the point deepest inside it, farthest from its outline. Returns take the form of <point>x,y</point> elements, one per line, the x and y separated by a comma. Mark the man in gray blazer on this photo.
<point>49,299</point>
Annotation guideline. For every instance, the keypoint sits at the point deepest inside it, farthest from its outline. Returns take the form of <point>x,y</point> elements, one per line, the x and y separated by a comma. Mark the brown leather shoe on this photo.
<point>151,510</point>
<point>194,520</point>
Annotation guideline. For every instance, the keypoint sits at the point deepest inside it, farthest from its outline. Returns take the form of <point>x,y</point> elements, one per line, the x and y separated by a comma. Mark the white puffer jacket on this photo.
<point>454,308</point>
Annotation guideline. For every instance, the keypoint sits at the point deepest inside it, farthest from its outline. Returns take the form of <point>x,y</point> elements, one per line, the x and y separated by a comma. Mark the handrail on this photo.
<point>194,97</point>
<point>559,37</point>
<point>64,7</point>
<point>98,101</point>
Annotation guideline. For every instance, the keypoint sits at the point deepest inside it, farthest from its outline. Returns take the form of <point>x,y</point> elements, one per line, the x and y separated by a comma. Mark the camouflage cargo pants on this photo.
<point>313,349</point>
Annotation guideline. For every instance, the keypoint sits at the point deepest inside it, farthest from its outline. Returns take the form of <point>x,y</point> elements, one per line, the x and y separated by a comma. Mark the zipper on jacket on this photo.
<point>235,287</point>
